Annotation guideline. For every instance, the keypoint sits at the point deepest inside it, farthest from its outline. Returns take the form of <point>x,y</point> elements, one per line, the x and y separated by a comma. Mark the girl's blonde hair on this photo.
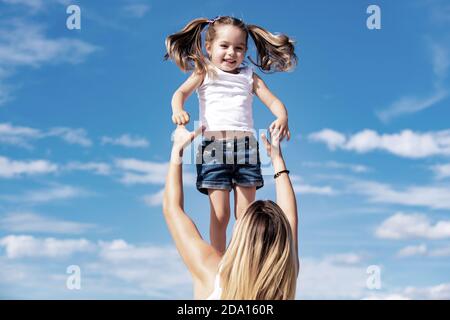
<point>275,52</point>
<point>261,260</point>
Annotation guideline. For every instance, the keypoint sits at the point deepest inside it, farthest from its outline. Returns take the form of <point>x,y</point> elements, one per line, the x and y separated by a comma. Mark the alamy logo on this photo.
<point>374,279</point>
<point>374,20</point>
<point>74,20</point>
<point>74,279</point>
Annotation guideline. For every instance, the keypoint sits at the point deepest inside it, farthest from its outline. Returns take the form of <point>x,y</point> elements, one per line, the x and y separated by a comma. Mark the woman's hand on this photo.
<point>182,137</point>
<point>273,146</point>
<point>180,117</point>
<point>281,124</point>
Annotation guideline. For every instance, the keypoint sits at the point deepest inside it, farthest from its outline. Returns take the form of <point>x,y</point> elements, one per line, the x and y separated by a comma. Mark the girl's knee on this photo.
<point>222,217</point>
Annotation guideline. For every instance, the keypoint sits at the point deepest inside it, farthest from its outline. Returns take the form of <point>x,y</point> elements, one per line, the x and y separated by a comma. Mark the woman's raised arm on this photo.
<point>285,193</point>
<point>192,248</point>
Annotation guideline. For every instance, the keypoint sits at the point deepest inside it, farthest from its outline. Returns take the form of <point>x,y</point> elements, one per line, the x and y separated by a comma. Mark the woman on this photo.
<point>261,261</point>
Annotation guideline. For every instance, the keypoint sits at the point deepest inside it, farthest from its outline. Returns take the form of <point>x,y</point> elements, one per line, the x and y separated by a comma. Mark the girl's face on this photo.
<point>227,51</point>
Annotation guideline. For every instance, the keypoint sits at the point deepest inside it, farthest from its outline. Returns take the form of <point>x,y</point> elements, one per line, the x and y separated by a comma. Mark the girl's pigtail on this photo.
<point>274,52</point>
<point>185,47</point>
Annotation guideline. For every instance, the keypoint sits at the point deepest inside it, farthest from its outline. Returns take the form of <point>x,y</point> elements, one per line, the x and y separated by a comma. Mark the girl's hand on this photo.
<point>180,117</point>
<point>281,124</point>
<point>273,146</point>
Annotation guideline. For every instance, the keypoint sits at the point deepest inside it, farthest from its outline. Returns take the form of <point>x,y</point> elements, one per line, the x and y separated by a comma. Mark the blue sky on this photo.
<point>85,136</point>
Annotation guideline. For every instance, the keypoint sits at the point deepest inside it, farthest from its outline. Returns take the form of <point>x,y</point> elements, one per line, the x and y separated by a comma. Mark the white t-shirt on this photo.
<point>226,102</point>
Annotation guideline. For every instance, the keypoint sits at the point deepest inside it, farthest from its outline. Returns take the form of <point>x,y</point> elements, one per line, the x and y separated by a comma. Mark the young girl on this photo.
<point>228,156</point>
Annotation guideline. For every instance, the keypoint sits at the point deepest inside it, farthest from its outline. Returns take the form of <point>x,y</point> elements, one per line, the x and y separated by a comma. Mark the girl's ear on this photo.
<point>208,48</point>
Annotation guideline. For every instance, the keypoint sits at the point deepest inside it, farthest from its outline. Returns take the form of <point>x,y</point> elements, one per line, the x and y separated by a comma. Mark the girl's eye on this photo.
<point>223,46</point>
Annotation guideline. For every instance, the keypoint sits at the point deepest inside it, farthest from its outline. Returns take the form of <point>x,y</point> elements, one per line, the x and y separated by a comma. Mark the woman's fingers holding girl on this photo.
<point>197,132</point>
<point>272,126</point>
<point>275,137</point>
<point>266,143</point>
<point>182,137</point>
<point>285,134</point>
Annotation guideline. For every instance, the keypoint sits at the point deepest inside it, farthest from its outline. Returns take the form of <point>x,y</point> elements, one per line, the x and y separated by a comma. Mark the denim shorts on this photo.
<point>222,164</point>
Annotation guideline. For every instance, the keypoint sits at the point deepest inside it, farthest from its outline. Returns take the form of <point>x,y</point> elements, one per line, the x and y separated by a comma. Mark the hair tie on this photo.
<point>211,21</point>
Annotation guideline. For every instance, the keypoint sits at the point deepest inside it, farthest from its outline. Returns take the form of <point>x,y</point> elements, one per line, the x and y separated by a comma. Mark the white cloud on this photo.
<point>33,4</point>
<point>440,58</point>
<point>55,193</point>
<point>21,136</point>
<point>349,258</point>
<point>440,252</point>
<point>27,246</point>
<point>12,168</point>
<point>408,105</point>
<point>328,279</point>
<point>441,171</point>
<point>119,251</point>
<point>25,44</point>
<point>136,10</point>
<point>7,129</point>
<point>423,250</point>
<point>386,296</point>
<point>155,199</point>
<point>332,138</point>
<point>126,141</point>
<point>407,143</point>
<point>438,292</point>
<point>309,189</point>
<point>412,104</point>
<point>61,192</point>
<point>434,197</point>
<point>147,172</point>
<point>155,270</point>
<point>138,171</point>
<point>358,168</point>
<point>406,226</point>
<point>97,167</point>
<point>72,136</point>
<point>114,269</point>
<point>15,135</point>
<point>31,222</point>
<point>409,251</point>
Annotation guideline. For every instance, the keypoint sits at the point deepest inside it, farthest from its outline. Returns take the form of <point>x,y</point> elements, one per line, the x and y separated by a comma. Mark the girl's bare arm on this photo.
<point>179,115</point>
<point>275,106</point>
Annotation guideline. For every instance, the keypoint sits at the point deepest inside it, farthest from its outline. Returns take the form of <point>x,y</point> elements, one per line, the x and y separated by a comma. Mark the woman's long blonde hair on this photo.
<point>275,52</point>
<point>261,261</point>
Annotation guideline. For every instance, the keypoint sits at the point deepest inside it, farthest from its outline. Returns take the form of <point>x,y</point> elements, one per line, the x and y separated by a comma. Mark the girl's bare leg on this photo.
<point>243,196</point>
<point>220,216</point>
